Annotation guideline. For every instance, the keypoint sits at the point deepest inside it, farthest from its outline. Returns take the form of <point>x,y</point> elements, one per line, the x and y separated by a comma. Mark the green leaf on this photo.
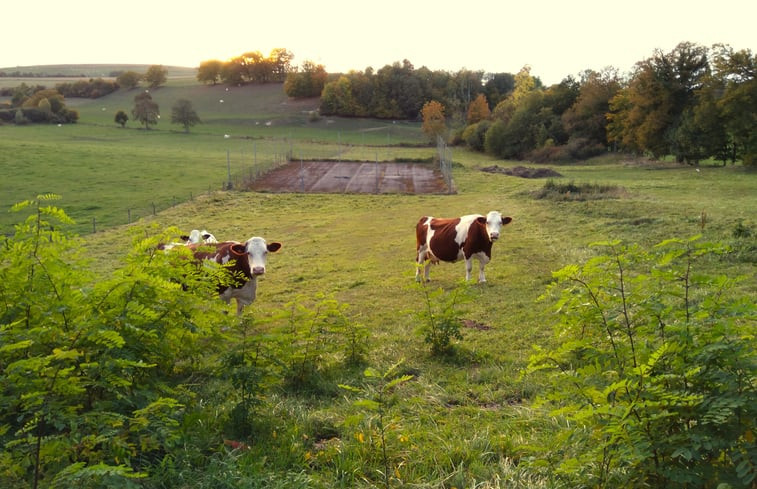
<point>367,404</point>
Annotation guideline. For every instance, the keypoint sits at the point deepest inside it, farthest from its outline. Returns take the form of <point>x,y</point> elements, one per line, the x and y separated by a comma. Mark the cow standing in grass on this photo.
<point>453,239</point>
<point>245,262</point>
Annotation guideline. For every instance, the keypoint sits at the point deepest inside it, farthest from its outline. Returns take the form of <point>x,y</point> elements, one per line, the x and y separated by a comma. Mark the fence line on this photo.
<point>242,168</point>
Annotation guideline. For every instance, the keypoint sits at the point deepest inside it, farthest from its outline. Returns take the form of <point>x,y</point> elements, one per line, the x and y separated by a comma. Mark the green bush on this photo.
<point>93,376</point>
<point>654,370</point>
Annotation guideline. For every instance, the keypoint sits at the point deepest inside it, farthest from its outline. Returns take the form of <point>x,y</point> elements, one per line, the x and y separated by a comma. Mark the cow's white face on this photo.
<point>257,251</point>
<point>494,224</point>
<point>207,237</point>
<point>197,237</point>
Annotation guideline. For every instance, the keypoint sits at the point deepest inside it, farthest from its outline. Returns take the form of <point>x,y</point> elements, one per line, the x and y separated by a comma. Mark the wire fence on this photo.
<point>247,160</point>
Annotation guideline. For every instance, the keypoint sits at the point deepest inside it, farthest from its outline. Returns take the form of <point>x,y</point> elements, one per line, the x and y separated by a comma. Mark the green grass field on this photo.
<point>464,422</point>
<point>109,175</point>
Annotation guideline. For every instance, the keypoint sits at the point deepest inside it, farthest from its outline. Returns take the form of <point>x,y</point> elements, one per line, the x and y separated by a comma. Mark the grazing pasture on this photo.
<point>468,418</point>
<point>113,175</point>
<point>405,417</point>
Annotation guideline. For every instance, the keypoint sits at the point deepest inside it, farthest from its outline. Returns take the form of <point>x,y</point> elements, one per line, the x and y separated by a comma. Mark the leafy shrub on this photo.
<point>92,376</point>
<point>440,316</point>
<point>654,369</point>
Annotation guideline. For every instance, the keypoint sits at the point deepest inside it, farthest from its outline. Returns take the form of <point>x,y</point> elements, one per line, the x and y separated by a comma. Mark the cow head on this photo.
<point>197,236</point>
<point>256,250</point>
<point>494,223</point>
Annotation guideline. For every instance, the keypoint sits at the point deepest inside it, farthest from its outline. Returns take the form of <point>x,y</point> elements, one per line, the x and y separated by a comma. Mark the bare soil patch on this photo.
<point>353,177</point>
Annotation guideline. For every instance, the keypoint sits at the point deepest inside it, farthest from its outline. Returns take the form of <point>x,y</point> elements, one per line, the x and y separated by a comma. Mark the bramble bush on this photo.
<point>654,370</point>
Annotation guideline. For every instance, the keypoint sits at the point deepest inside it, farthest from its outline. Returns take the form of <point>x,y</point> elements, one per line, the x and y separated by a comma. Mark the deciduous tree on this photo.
<point>478,110</point>
<point>128,79</point>
<point>121,118</point>
<point>156,76</point>
<point>210,71</point>
<point>307,82</point>
<point>183,113</point>
<point>434,122</point>
<point>145,110</point>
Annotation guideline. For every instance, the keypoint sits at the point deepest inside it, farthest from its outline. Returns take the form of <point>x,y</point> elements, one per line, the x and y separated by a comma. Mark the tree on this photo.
<point>736,73</point>
<point>281,63</point>
<point>128,79</point>
<point>183,113</point>
<point>434,123</point>
<point>478,110</point>
<point>145,110</point>
<point>660,96</point>
<point>586,118</point>
<point>337,98</point>
<point>308,82</point>
<point>121,118</point>
<point>209,71</point>
<point>156,76</point>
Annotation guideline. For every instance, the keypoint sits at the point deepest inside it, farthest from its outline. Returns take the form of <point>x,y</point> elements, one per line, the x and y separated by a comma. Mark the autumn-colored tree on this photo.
<point>434,122</point>
<point>586,118</point>
<point>524,84</point>
<point>478,110</point>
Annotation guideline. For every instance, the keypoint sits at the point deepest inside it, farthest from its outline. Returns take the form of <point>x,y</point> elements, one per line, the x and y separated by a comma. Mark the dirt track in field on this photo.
<point>353,177</point>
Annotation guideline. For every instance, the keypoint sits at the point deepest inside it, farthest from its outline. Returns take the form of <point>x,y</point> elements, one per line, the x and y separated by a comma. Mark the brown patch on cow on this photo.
<point>522,171</point>
<point>470,323</point>
<point>442,244</point>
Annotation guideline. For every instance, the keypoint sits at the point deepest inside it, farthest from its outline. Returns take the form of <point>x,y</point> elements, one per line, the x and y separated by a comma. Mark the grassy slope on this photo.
<point>110,174</point>
<point>360,249</point>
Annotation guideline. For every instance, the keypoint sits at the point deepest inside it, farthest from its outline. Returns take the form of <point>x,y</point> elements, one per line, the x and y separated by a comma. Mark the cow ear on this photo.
<point>274,247</point>
<point>506,220</point>
<point>238,249</point>
<point>184,237</point>
<point>481,219</point>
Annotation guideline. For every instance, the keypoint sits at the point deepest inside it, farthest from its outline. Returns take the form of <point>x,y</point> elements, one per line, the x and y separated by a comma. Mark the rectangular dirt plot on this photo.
<point>353,177</point>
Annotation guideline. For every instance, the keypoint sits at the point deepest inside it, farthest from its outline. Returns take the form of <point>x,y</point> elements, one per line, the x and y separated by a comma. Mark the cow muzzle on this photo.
<point>494,236</point>
<point>258,270</point>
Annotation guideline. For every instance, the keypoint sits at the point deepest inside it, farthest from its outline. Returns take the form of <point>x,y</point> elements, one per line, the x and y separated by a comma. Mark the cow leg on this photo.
<point>482,261</point>
<point>468,268</point>
<point>422,262</point>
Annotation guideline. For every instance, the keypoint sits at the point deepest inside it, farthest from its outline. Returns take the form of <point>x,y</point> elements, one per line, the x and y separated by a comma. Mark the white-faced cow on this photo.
<point>453,239</point>
<point>194,237</point>
<point>244,261</point>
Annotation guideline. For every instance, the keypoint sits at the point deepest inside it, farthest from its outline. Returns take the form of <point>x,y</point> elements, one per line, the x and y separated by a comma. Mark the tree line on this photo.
<point>249,67</point>
<point>693,103</point>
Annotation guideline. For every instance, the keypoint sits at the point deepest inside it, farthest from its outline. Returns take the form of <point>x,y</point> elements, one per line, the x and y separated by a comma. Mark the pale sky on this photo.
<point>556,38</point>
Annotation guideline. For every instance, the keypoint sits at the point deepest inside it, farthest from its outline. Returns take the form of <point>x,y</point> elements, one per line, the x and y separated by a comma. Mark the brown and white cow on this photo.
<point>244,261</point>
<point>452,239</point>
